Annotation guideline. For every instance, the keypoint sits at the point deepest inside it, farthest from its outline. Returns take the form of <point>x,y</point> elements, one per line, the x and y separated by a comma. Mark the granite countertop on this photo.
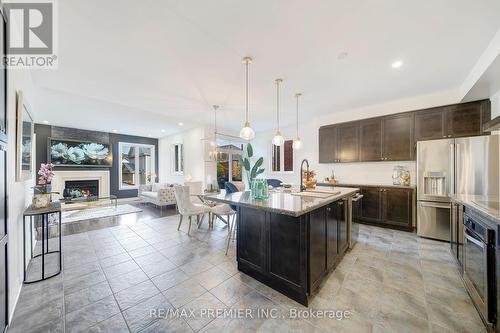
<point>282,202</point>
<point>487,205</point>
<point>411,187</point>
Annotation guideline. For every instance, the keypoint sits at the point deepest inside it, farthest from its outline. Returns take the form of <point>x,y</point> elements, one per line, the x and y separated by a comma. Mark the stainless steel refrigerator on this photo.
<point>445,167</point>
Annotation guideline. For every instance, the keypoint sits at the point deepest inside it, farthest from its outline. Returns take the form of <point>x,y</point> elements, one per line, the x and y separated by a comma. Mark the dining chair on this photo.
<point>231,188</point>
<point>195,187</point>
<point>187,208</point>
<point>274,182</point>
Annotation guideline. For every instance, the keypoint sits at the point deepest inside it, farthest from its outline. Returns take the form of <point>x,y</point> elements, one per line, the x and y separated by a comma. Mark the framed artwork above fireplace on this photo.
<point>76,153</point>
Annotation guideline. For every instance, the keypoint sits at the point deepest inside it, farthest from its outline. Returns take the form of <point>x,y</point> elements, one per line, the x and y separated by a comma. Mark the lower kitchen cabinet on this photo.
<point>397,206</point>
<point>387,207</point>
<point>371,205</point>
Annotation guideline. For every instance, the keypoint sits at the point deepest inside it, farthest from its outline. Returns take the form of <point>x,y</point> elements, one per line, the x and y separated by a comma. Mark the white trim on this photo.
<point>123,187</point>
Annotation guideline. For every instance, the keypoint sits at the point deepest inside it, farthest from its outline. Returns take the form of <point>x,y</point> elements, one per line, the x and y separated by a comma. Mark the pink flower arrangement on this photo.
<point>46,173</point>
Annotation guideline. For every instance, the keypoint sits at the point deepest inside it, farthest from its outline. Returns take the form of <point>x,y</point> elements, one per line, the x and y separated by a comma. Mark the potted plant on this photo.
<point>251,171</point>
<point>309,180</point>
<point>42,191</point>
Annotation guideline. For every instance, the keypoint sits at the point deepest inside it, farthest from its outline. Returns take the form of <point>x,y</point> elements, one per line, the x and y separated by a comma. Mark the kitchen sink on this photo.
<point>316,193</point>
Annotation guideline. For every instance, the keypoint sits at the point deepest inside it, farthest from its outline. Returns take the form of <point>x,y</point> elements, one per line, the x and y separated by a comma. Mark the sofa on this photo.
<point>159,194</point>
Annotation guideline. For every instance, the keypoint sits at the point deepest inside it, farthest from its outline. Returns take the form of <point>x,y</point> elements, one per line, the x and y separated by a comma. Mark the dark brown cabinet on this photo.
<point>397,206</point>
<point>467,119</point>
<point>371,205</point>
<point>348,142</point>
<point>328,144</point>
<point>452,121</point>
<point>336,233</point>
<point>317,229</point>
<point>332,235</point>
<point>397,142</point>
<point>342,226</point>
<point>391,207</point>
<point>430,124</point>
<point>371,139</point>
<point>393,137</point>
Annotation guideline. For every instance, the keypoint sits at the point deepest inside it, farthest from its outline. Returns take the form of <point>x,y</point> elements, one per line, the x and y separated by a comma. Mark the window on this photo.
<point>178,158</point>
<point>137,165</point>
<point>282,157</point>
<point>229,168</point>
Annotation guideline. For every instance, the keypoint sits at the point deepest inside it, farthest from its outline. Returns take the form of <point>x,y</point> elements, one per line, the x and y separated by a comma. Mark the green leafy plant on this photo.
<point>42,189</point>
<point>251,171</point>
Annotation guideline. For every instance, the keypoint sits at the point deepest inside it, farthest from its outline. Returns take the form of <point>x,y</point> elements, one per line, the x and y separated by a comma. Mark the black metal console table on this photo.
<point>36,216</point>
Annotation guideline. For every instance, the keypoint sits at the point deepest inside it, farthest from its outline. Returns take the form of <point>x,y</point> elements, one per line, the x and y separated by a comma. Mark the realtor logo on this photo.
<point>30,34</point>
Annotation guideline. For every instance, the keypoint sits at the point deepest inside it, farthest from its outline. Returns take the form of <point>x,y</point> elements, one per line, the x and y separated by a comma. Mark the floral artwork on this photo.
<point>74,153</point>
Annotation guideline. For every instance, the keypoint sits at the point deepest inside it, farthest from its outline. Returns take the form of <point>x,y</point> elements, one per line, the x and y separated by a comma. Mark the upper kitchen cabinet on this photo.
<point>430,124</point>
<point>348,142</point>
<point>467,119</point>
<point>397,138</point>
<point>393,137</point>
<point>328,144</point>
<point>370,139</point>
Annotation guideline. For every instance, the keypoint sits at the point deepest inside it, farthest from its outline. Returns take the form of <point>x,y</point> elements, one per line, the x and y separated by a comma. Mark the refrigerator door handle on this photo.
<point>435,205</point>
<point>452,169</point>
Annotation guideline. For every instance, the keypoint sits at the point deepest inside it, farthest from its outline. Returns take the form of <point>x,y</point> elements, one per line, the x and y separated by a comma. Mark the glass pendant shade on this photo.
<point>297,144</point>
<point>278,140</point>
<point>247,133</point>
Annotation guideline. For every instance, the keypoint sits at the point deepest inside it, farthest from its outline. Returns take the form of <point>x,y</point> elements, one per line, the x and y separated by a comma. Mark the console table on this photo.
<point>42,219</point>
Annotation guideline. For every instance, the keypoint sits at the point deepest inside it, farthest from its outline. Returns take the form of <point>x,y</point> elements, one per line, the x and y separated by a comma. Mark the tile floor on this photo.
<point>390,282</point>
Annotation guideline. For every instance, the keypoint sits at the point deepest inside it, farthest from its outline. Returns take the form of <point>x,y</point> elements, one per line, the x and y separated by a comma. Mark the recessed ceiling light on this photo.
<point>114,131</point>
<point>397,64</point>
<point>45,121</point>
<point>163,131</point>
<point>181,124</point>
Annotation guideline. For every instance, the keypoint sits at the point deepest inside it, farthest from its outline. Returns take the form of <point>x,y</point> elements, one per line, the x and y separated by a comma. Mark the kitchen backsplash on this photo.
<point>364,173</point>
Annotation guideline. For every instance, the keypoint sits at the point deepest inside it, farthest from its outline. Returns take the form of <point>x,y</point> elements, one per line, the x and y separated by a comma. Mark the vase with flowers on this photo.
<point>42,191</point>
<point>309,181</point>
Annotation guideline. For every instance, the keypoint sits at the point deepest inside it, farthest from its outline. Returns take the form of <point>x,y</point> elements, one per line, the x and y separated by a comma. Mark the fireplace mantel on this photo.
<point>102,176</point>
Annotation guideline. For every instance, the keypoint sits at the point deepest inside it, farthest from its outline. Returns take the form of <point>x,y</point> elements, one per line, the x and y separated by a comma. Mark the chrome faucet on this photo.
<point>302,187</point>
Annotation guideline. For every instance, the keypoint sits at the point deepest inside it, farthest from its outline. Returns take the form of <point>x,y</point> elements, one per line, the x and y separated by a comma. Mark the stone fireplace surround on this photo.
<point>102,176</point>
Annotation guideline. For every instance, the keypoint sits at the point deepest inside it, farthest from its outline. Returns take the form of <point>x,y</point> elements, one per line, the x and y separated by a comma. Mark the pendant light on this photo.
<point>214,154</point>
<point>297,143</point>
<point>247,133</point>
<point>278,140</point>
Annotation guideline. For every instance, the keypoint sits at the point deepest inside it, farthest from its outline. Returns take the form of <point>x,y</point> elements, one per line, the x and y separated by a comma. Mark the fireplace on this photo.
<point>78,188</point>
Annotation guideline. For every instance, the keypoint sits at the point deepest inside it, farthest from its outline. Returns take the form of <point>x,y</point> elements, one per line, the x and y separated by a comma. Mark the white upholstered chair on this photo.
<point>195,187</point>
<point>221,211</point>
<point>187,208</point>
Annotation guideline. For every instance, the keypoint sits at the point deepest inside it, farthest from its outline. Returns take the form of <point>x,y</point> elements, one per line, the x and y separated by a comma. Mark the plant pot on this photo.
<point>310,183</point>
<point>41,201</point>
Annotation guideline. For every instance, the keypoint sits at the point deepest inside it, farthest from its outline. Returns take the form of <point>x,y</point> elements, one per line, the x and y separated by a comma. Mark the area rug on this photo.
<point>97,212</point>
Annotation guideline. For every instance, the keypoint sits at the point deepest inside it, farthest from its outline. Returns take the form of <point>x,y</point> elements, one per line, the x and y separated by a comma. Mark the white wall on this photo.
<point>19,194</point>
<point>195,165</point>
<point>366,173</point>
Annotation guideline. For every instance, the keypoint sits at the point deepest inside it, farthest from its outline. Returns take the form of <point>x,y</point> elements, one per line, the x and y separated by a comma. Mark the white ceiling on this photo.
<point>143,66</point>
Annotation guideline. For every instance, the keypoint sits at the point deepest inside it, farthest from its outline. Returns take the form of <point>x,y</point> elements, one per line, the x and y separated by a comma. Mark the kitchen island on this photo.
<point>291,241</point>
